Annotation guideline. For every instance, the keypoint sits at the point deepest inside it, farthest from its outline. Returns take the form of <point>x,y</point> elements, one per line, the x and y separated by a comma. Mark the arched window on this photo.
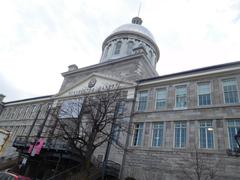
<point>130,47</point>
<point>118,48</point>
<point>107,51</point>
<point>150,54</point>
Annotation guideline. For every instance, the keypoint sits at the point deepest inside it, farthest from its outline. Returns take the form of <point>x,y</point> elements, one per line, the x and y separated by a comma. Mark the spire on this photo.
<point>139,9</point>
<point>137,20</point>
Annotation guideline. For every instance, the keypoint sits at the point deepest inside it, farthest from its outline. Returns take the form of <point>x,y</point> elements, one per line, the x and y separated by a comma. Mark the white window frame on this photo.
<point>117,50</point>
<point>143,132</point>
<point>116,133</point>
<point>72,111</point>
<point>166,98</point>
<point>138,100</point>
<point>210,92</point>
<point>174,142</point>
<point>130,49</point>
<point>107,51</point>
<point>223,93</point>
<point>199,133</point>
<point>229,145</point>
<point>176,86</point>
<point>163,137</point>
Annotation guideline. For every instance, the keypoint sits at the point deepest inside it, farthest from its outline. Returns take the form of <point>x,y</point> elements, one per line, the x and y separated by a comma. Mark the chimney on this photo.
<point>1,98</point>
<point>72,67</point>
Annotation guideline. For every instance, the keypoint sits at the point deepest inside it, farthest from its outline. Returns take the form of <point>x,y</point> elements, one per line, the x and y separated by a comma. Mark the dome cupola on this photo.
<point>122,41</point>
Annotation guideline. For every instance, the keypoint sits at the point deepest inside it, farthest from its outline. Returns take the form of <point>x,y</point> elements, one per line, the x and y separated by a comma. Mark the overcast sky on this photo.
<point>40,38</point>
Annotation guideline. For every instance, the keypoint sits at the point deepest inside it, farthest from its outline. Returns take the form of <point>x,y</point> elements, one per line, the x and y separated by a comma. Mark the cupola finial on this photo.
<point>137,20</point>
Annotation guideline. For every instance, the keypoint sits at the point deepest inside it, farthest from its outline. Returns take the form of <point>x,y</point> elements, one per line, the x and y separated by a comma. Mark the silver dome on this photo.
<point>134,28</point>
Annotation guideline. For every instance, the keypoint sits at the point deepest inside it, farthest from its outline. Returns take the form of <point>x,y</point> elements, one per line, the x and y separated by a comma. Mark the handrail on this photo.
<point>63,172</point>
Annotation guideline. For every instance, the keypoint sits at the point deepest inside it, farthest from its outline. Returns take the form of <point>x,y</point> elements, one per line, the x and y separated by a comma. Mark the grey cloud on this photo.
<point>12,93</point>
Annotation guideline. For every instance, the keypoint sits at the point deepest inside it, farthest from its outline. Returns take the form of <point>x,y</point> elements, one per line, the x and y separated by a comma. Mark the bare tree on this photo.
<point>198,166</point>
<point>88,122</point>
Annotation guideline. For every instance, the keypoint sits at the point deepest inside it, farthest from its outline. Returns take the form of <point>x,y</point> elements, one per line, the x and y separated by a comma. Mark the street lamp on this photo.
<point>210,129</point>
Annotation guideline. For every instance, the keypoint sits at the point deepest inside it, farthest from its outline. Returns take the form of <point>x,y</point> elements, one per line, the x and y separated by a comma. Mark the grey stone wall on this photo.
<point>170,165</point>
<point>166,162</point>
<point>18,119</point>
<point>130,69</point>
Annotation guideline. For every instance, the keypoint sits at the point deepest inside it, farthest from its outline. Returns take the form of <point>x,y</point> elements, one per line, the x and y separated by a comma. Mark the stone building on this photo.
<point>179,115</point>
<point>176,121</point>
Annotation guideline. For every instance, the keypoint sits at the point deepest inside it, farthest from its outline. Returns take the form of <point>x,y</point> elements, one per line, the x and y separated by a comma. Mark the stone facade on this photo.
<point>148,161</point>
<point>172,118</point>
<point>18,118</point>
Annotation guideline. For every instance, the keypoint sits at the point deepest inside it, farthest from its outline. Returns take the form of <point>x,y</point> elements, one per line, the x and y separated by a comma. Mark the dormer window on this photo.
<point>118,48</point>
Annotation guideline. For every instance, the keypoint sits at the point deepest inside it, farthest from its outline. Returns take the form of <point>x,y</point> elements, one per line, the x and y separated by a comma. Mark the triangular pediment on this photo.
<point>93,83</point>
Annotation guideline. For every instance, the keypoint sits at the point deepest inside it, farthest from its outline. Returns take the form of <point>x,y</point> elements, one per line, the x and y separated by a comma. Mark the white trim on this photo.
<point>174,123</point>
<point>187,103</point>
<point>28,101</point>
<point>163,137</point>
<point>128,83</point>
<point>206,135</point>
<point>226,120</point>
<point>142,142</point>
<point>155,99</point>
<point>210,92</point>
<point>223,94</point>
<point>190,76</point>
<point>138,96</point>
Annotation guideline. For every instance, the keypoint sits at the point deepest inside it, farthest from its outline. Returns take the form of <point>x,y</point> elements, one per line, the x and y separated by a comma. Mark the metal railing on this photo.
<point>50,143</point>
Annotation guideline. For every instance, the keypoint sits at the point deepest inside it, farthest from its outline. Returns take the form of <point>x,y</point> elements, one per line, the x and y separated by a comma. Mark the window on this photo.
<point>21,113</point>
<point>233,127</point>
<point>138,134</point>
<point>152,61</point>
<point>180,134</point>
<point>8,113</point>
<point>2,114</point>
<point>27,112</point>
<point>120,107</point>
<point>17,112</point>
<point>130,47</point>
<point>44,110</point>
<point>71,108</point>
<point>142,100</point>
<point>118,48</point>
<point>13,113</point>
<point>150,54</point>
<point>181,96</point>
<point>230,91</point>
<point>107,51</point>
<point>157,134</point>
<point>204,94</point>
<point>116,133</point>
<point>206,135</point>
<point>161,95</point>
<point>35,108</point>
